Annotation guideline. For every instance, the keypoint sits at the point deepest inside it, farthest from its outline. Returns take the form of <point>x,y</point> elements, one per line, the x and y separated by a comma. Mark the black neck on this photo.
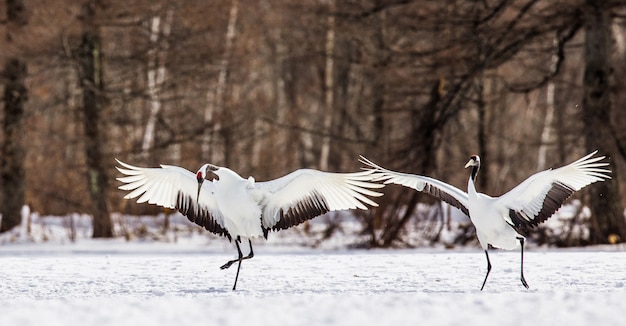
<point>474,172</point>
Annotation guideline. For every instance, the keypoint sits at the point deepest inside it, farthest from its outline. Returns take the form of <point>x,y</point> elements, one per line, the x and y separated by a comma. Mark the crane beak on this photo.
<point>469,163</point>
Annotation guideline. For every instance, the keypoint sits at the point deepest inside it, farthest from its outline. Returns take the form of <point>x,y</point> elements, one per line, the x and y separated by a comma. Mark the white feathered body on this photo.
<point>489,230</point>
<point>242,214</point>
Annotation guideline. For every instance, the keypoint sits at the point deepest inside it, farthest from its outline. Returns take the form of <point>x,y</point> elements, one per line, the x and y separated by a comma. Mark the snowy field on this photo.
<point>117,283</point>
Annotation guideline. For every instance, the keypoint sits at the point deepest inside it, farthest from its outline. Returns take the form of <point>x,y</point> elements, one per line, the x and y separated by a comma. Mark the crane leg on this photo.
<point>239,259</point>
<point>240,256</point>
<point>521,242</point>
<point>488,269</point>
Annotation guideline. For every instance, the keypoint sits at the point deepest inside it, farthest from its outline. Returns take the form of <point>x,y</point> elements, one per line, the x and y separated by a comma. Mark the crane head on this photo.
<point>474,161</point>
<point>202,174</point>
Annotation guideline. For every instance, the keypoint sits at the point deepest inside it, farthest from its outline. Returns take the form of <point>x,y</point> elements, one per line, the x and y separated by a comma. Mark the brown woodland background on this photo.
<point>266,87</point>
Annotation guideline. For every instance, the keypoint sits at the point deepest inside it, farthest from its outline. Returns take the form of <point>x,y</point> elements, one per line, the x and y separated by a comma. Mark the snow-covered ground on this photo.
<point>153,283</point>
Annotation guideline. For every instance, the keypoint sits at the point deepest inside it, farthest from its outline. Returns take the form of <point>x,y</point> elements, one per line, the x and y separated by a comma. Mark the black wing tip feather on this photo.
<point>306,209</point>
<point>555,197</point>
<point>202,217</point>
<point>442,195</point>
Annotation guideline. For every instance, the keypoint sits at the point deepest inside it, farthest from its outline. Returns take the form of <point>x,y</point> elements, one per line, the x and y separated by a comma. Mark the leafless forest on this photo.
<point>266,87</point>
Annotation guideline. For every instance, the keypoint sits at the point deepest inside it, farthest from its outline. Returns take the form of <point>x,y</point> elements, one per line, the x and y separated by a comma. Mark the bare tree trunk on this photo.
<point>282,110</point>
<point>483,178</point>
<point>607,217</point>
<point>156,74</point>
<point>215,105</point>
<point>90,76</point>
<point>546,134</point>
<point>379,85</point>
<point>620,41</point>
<point>15,95</point>
<point>12,176</point>
<point>307,156</point>
<point>329,93</point>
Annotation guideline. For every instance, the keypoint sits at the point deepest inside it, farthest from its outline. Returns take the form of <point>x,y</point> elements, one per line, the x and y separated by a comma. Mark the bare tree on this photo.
<point>156,72</point>
<point>329,78</point>
<point>92,87</point>
<point>606,206</point>
<point>15,96</point>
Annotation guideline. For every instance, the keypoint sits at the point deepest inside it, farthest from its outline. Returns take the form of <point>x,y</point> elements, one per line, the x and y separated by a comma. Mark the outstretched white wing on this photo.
<point>174,187</point>
<point>538,197</point>
<point>304,194</point>
<point>448,193</point>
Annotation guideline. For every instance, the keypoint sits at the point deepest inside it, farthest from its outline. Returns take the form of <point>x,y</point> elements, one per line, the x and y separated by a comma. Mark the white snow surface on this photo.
<point>113,282</point>
<point>147,277</point>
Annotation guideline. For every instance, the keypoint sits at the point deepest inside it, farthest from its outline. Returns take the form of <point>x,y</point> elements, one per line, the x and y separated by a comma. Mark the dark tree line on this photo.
<point>270,86</point>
